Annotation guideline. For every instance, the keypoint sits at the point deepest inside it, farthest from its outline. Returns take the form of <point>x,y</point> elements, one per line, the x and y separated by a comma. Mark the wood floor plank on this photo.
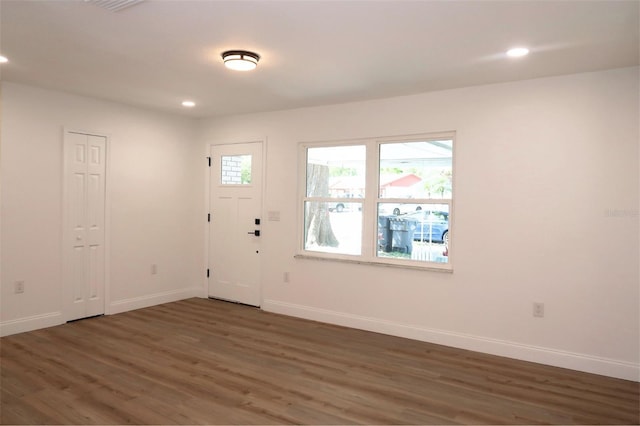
<point>200,361</point>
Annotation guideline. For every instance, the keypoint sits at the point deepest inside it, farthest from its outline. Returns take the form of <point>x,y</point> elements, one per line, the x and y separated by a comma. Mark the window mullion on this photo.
<point>370,215</point>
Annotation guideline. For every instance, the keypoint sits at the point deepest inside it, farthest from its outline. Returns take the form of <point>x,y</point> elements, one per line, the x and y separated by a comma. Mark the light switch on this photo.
<point>273,215</point>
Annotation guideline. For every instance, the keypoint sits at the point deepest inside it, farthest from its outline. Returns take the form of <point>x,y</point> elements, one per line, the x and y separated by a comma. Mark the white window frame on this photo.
<point>369,243</point>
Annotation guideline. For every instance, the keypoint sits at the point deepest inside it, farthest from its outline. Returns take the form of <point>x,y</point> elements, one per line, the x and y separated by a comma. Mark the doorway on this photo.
<point>84,224</point>
<point>235,223</point>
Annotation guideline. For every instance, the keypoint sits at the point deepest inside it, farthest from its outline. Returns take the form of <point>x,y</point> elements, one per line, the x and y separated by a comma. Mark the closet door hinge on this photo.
<point>209,159</point>
<point>208,217</point>
<point>207,272</point>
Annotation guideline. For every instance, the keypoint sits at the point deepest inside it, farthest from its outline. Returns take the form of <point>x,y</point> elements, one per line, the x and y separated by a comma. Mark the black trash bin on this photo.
<point>384,234</point>
<point>402,234</point>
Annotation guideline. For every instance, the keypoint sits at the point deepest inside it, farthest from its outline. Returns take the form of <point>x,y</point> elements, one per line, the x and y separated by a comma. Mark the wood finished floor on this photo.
<point>201,361</point>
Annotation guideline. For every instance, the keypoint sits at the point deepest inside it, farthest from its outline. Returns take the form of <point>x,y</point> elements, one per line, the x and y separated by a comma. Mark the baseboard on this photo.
<point>153,299</point>
<point>547,356</point>
<point>20,325</point>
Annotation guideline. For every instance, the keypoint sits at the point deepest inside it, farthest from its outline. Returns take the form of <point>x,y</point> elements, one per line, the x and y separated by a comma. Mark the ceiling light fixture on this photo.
<point>517,52</point>
<point>3,59</point>
<point>188,104</point>
<point>240,60</point>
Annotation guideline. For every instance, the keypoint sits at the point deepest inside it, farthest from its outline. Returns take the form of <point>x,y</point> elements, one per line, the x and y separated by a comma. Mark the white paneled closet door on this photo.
<point>84,224</point>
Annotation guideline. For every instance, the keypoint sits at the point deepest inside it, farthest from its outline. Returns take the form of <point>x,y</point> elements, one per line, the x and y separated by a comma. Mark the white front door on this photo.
<point>235,222</point>
<point>84,220</point>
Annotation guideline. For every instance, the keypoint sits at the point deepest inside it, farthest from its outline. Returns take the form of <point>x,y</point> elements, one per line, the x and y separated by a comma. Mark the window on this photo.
<point>235,170</point>
<point>335,183</point>
<point>383,201</point>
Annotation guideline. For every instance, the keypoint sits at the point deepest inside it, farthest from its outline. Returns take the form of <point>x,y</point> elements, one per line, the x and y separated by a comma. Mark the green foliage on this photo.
<point>245,169</point>
<point>438,182</point>
<point>342,171</point>
<point>391,171</point>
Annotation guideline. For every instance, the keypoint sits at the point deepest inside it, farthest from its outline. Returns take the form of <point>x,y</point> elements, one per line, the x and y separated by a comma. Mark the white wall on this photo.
<point>546,210</point>
<point>153,208</point>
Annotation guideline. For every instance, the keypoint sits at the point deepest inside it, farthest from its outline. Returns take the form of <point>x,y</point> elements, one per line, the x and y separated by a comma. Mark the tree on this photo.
<point>317,220</point>
<point>245,172</point>
<point>444,182</point>
<point>438,183</point>
<point>343,171</point>
<point>428,187</point>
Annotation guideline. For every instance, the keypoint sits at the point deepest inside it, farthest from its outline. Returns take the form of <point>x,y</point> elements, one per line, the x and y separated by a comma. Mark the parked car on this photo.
<point>346,205</point>
<point>339,207</point>
<point>398,209</point>
<point>431,225</point>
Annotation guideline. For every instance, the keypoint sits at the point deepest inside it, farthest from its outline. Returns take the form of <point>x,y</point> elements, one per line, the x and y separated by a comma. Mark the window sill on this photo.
<point>373,263</point>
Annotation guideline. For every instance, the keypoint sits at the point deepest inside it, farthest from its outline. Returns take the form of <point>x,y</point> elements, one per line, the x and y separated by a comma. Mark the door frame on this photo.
<point>65,218</point>
<point>207,207</point>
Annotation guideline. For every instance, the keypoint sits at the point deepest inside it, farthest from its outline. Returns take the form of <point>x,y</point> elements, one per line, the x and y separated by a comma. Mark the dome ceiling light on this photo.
<point>240,60</point>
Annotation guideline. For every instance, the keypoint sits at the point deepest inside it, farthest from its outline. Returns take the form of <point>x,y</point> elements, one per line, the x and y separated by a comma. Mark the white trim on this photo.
<point>207,224</point>
<point>558,358</point>
<point>154,299</point>
<point>107,227</point>
<point>263,216</point>
<point>35,322</point>
<point>431,266</point>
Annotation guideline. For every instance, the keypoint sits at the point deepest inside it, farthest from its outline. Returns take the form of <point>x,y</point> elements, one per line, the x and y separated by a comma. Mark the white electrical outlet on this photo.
<point>538,310</point>
<point>154,269</point>
<point>285,277</point>
<point>19,287</point>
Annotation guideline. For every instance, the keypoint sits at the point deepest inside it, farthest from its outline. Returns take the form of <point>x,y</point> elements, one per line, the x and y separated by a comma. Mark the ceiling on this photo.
<point>158,53</point>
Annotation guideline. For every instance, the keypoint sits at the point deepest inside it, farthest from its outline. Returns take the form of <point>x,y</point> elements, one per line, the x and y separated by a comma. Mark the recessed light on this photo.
<point>517,52</point>
<point>240,60</point>
<point>188,104</point>
<point>3,59</point>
